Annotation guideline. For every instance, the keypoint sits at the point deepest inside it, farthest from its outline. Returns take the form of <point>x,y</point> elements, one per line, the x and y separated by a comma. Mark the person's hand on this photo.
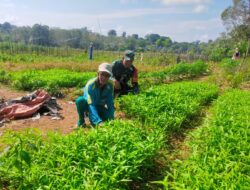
<point>117,85</point>
<point>136,89</point>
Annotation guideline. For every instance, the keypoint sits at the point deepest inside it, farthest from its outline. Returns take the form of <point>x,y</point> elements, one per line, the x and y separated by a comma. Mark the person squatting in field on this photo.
<point>236,54</point>
<point>123,70</point>
<point>98,98</point>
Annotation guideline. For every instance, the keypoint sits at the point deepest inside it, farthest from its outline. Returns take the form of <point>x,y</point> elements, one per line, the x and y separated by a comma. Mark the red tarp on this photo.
<point>25,107</point>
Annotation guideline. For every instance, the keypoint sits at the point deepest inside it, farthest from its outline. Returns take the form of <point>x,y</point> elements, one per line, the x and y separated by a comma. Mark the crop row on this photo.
<point>33,58</point>
<point>168,106</point>
<point>51,80</point>
<point>220,150</point>
<point>105,158</point>
<point>176,72</point>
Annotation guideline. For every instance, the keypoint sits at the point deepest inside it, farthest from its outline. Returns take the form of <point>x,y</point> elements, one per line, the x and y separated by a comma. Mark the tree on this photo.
<point>74,38</point>
<point>124,34</point>
<point>152,38</point>
<point>21,34</point>
<point>131,43</point>
<point>112,33</point>
<point>6,28</point>
<point>40,35</point>
<point>236,18</point>
<point>236,15</point>
<point>135,36</point>
<point>142,44</point>
<point>163,42</point>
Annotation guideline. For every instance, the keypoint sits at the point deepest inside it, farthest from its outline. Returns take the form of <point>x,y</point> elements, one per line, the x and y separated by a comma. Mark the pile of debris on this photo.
<point>36,103</point>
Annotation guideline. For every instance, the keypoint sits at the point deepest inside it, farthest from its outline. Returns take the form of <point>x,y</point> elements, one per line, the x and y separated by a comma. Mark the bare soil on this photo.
<point>45,123</point>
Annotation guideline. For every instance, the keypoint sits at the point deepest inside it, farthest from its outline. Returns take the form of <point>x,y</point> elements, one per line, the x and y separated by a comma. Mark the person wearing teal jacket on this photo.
<point>98,99</point>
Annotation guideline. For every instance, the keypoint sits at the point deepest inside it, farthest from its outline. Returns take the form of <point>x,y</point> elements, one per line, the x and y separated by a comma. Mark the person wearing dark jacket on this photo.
<point>124,71</point>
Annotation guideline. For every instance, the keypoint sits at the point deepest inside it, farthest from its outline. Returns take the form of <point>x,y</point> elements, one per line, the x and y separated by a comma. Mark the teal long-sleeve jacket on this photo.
<point>100,101</point>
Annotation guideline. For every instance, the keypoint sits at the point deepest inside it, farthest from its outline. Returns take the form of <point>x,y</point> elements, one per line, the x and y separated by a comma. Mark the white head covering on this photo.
<point>105,67</point>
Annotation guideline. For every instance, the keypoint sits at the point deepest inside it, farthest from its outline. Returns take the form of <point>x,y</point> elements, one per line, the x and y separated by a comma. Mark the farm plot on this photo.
<point>105,158</point>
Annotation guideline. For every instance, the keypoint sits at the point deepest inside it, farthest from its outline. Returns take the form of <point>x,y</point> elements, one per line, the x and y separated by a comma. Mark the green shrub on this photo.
<point>229,65</point>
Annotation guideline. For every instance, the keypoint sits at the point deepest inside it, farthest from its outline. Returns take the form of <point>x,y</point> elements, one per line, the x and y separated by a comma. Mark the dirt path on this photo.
<point>45,123</point>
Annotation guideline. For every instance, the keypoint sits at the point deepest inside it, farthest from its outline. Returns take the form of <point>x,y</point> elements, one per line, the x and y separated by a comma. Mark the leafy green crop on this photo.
<point>220,150</point>
<point>4,76</point>
<point>168,106</point>
<point>174,73</point>
<point>105,158</point>
<point>51,80</point>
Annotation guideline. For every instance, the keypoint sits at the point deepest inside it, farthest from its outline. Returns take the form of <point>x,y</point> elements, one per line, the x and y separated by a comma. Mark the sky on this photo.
<point>181,20</point>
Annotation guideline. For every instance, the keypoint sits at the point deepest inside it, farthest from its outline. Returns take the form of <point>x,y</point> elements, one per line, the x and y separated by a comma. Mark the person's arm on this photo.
<point>116,84</point>
<point>93,115</point>
<point>134,81</point>
<point>134,78</point>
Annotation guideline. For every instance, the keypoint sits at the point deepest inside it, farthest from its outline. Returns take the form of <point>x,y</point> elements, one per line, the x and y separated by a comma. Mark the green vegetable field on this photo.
<point>125,95</point>
<point>188,128</point>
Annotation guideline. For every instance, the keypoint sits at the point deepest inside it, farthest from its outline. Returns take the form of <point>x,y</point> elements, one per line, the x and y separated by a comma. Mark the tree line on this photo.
<point>81,38</point>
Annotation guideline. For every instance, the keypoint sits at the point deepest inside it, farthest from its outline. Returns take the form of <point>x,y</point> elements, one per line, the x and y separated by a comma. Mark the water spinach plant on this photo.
<point>220,150</point>
<point>105,158</point>
<point>52,80</point>
<point>168,106</point>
